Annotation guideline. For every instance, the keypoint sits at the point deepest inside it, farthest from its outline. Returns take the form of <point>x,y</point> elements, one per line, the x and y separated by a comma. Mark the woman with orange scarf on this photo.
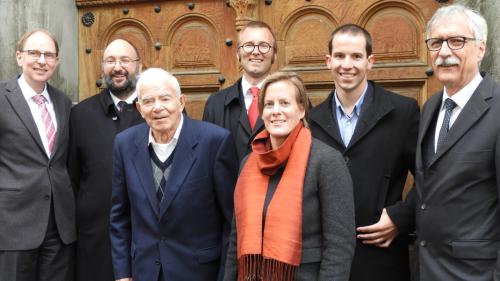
<point>294,210</point>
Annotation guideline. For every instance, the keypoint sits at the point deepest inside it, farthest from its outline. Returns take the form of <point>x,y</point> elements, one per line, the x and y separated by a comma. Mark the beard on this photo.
<point>124,90</point>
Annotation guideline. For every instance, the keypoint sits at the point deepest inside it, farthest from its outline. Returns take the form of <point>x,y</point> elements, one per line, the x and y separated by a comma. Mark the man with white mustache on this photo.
<point>376,131</point>
<point>235,108</point>
<point>456,197</point>
<point>94,124</point>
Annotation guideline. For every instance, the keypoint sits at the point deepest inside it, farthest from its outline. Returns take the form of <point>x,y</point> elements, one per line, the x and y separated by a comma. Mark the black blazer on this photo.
<point>379,156</point>
<point>226,108</point>
<point>29,180</point>
<point>94,124</point>
<point>457,193</point>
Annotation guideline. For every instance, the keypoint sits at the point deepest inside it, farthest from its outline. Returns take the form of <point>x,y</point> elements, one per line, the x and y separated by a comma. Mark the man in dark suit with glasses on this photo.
<point>235,108</point>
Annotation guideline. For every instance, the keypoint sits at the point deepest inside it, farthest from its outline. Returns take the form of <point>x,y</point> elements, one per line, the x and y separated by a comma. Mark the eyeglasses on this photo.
<point>263,47</point>
<point>36,54</point>
<point>122,61</point>
<point>454,43</point>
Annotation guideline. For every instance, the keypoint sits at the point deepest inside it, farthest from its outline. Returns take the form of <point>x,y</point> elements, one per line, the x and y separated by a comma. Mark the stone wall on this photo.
<point>489,9</point>
<point>57,16</point>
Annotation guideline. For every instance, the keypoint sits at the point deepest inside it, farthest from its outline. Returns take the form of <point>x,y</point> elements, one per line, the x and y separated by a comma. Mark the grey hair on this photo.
<point>152,75</point>
<point>477,24</point>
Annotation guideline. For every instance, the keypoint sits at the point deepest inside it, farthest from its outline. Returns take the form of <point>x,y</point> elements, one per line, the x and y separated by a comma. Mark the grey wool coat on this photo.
<point>328,232</point>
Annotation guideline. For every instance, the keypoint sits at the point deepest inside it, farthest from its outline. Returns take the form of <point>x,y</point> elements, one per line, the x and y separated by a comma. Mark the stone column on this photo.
<point>57,16</point>
<point>489,9</point>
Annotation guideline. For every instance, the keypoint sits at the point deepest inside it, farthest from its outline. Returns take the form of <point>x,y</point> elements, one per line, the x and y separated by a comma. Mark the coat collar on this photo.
<point>374,108</point>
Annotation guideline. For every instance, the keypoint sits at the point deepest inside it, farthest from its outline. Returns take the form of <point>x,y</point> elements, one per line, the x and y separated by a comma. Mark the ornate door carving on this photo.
<point>196,40</point>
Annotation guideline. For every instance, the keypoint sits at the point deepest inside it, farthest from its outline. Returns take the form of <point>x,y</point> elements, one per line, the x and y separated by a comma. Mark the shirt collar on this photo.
<point>245,86</point>
<point>174,138</point>
<point>129,100</point>
<point>357,106</point>
<point>28,92</point>
<point>462,97</point>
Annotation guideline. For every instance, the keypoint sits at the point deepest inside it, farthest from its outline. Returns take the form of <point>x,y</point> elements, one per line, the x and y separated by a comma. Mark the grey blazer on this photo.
<point>29,180</point>
<point>328,232</point>
<point>457,192</point>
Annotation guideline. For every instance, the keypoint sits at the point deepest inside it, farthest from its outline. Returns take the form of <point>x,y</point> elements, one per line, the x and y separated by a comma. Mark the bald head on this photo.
<point>121,65</point>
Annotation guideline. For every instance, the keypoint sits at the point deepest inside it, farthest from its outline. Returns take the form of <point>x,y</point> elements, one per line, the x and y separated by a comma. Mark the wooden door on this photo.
<point>186,38</point>
<point>196,40</point>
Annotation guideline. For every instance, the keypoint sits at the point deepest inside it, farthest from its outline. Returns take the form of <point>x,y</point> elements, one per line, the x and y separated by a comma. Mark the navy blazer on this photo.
<point>187,235</point>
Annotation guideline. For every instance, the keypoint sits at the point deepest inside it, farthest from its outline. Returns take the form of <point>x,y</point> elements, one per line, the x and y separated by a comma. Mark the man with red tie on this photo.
<point>235,108</point>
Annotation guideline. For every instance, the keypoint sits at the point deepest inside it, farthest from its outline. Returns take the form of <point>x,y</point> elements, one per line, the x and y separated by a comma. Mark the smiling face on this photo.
<point>256,66</point>
<point>37,71</point>
<point>349,63</point>
<point>161,108</point>
<point>281,112</point>
<point>455,68</point>
<point>121,79</point>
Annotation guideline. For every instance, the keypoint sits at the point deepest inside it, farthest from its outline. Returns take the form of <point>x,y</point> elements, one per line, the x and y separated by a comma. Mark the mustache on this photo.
<point>447,61</point>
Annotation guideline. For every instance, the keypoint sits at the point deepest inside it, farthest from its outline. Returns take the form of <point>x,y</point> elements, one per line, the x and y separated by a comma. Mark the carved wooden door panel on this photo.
<point>397,27</point>
<point>186,38</point>
<point>196,40</point>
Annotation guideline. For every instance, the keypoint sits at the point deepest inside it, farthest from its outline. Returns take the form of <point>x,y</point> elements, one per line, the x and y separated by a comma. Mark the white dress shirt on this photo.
<point>163,150</point>
<point>460,98</point>
<point>28,94</point>
<point>129,100</point>
<point>247,94</point>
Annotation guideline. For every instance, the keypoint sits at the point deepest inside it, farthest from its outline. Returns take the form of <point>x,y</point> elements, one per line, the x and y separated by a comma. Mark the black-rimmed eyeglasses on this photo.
<point>262,47</point>
<point>454,43</point>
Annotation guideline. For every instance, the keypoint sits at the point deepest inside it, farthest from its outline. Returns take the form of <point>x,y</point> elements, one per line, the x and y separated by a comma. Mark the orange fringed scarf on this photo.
<point>276,255</point>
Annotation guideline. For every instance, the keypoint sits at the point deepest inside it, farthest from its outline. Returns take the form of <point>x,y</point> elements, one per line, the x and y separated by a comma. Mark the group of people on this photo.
<point>125,186</point>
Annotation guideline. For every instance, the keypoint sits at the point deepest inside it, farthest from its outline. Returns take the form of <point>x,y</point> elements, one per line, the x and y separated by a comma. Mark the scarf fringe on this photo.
<point>257,268</point>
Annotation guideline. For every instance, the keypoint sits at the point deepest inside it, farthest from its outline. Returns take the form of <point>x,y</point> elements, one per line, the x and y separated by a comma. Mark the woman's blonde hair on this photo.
<point>300,93</point>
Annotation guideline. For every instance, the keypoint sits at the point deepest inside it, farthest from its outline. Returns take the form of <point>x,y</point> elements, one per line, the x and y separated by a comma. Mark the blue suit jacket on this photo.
<point>188,234</point>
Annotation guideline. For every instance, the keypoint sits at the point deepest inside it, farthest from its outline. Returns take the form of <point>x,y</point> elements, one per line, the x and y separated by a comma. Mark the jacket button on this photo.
<point>423,206</point>
<point>46,197</point>
<point>423,243</point>
<point>157,262</point>
<point>346,159</point>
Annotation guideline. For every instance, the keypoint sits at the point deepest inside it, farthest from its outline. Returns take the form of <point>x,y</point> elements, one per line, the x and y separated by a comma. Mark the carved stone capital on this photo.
<point>245,11</point>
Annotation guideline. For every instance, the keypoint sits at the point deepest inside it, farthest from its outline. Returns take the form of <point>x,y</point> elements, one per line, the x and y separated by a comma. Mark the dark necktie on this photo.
<point>449,105</point>
<point>253,110</point>
<point>121,105</point>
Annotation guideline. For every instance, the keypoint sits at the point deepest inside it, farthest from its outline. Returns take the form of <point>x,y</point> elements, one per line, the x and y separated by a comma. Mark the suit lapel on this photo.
<point>21,107</point>
<point>470,114</point>
<point>323,116</point>
<point>427,116</point>
<point>184,159</point>
<point>374,108</point>
<point>143,167</point>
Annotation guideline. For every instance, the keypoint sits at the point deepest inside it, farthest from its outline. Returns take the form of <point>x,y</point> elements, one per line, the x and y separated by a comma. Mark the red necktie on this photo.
<point>50,130</point>
<point>253,110</point>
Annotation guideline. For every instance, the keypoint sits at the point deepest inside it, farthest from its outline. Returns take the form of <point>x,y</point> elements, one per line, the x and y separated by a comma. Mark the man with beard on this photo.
<point>235,108</point>
<point>94,124</point>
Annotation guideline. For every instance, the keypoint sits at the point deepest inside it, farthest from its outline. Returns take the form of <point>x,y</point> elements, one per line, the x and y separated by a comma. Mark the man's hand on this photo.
<point>380,234</point>
<point>125,279</point>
